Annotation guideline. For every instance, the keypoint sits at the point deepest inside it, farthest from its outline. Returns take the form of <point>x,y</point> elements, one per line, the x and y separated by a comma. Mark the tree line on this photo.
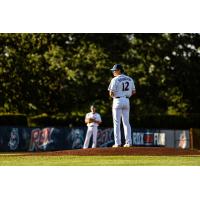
<point>64,73</point>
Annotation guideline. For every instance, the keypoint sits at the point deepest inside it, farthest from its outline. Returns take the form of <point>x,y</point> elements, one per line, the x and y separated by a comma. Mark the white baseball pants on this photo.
<point>121,109</point>
<point>91,131</point>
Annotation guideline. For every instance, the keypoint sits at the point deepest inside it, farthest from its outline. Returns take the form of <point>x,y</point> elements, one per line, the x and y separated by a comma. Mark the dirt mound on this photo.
<point>146,151</point>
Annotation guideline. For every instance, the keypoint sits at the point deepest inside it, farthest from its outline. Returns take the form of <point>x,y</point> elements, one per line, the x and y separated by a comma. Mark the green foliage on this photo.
<point>65,73</point>
<point>166,71</point>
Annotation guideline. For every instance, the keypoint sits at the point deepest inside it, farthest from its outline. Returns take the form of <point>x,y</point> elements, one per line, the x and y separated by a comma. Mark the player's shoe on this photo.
<point>116,145</point>
<point>127,145</point>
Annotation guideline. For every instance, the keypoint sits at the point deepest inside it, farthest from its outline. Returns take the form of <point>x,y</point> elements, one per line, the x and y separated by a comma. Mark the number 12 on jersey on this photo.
<point>125,86</point>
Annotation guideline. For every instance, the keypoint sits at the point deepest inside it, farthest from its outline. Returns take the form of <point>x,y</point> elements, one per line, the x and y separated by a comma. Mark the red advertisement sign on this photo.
<point>40,139</point>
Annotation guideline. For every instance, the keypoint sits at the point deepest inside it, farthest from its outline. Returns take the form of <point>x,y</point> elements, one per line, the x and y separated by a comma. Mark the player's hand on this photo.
<point>91,120</point>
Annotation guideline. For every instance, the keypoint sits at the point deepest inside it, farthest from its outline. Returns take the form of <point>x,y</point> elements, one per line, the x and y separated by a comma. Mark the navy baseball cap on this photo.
<point>117,67</point>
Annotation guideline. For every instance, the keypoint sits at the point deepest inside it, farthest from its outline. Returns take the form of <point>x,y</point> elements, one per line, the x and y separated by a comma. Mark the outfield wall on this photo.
<point>54,138</point>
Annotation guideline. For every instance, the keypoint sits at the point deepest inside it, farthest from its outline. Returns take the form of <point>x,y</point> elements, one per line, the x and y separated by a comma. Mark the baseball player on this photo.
<point>121,88</point>
<point>92,120</point>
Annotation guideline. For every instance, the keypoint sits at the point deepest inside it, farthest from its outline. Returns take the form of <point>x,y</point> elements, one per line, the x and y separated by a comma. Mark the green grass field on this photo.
<point>10,160</point>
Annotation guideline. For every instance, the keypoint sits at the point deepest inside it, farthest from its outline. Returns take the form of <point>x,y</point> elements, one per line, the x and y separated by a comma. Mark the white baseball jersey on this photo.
<point>122,86</point>
<point>92,129</point>
<point>95,116</point>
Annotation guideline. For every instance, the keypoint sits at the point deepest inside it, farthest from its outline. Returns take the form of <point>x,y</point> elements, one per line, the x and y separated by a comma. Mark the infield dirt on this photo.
<point>131,151</point>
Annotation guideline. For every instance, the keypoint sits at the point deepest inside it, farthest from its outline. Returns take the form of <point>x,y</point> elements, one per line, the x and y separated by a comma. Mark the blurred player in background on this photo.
<point>121,88</point>
<point>92,119</point>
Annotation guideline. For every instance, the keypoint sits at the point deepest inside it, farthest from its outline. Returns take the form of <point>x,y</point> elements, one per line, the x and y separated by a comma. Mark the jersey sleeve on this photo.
<point>99,117</point>
<point>112,87</point>
<point>87,116</point>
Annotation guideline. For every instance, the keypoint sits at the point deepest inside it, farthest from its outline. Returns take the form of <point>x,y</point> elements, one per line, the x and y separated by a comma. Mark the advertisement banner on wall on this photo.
<point>105,137</point>
<point>10,139</point>
<point>177,138</point>
<point>13,139</point>
<point>46,139</point>
<point>182,139</point>
<point>148,138</point>
<point>31,139</point>
<point>52,138</point>
<point>74,138</point>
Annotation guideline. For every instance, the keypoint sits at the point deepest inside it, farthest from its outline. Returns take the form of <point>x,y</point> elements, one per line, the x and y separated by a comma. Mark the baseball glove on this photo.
<point>91,120</point>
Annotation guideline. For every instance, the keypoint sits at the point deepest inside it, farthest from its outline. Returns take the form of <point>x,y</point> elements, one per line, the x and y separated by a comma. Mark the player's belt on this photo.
<point>121,97</point>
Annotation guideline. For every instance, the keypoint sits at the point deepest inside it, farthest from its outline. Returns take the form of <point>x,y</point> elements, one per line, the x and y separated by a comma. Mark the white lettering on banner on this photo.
<point>148,139</point>
<point>141,138</point>
<point>161,139</point>
<point>134,138</point>
<point>138,138</point>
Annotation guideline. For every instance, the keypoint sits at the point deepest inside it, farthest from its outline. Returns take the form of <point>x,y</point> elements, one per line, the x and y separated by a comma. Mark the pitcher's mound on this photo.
<point>131,151</point>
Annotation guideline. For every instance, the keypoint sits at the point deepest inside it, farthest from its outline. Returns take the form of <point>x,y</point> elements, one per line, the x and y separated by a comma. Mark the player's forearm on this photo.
<point>87,121</point>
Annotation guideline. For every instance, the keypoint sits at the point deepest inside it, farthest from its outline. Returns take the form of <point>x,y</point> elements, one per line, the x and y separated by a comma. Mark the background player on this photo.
<point>121,88</point>
<point>92,120</point>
